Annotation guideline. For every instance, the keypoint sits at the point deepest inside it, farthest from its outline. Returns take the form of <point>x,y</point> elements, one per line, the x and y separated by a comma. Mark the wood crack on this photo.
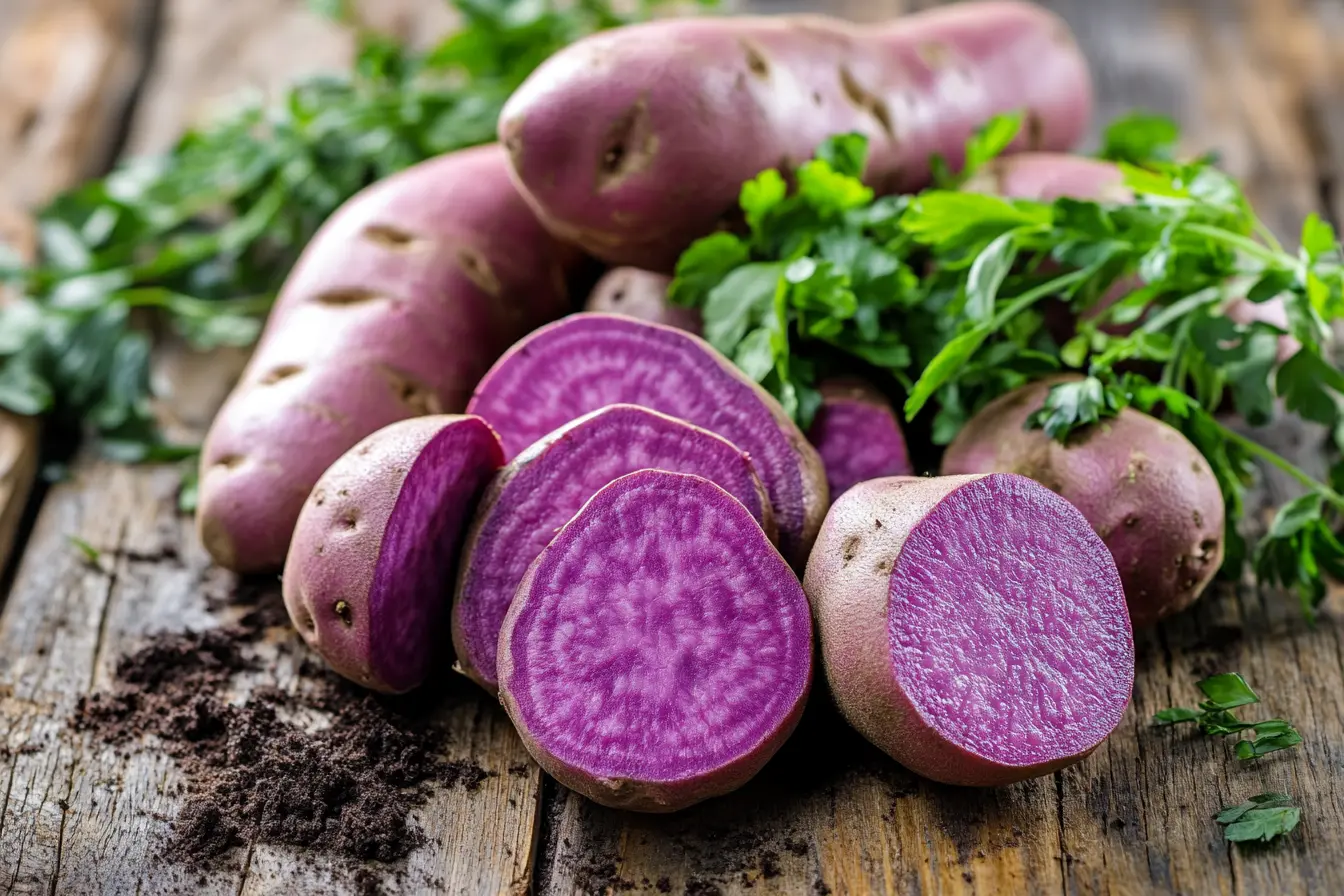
<point>110,592</point>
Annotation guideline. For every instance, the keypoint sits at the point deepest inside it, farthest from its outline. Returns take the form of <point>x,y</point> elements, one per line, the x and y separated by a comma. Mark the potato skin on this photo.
<point>635,142</point>
<point>1147,491</point>
<point>398,305</point>
<point>643,296</point>
<point>847,583</point>
<point>342,536</point>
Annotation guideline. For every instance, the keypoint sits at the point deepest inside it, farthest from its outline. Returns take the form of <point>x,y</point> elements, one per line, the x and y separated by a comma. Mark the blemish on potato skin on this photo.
<point>343,612</point>
<point>756,62</point>
<point>867,101</point>
<point>1199,519</point>
<point>391,237</point>
<point>850,548</point>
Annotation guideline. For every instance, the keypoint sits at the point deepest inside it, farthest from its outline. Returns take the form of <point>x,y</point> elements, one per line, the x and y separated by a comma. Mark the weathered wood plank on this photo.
<point>833,815</point>
<point>80,818</point>
<point>67,71</point>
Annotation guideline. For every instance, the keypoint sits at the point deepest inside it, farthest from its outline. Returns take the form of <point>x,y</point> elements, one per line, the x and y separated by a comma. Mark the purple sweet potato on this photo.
<point>398,305</point>
<point>543,487</point>
<point>636,141</point>
<point>368,578</point>
<point>587,361</point>
<point>857,435</point>
<point>973,627</point>
<point>1147,491</point>
<point>642,295</point>
<point>659,650</point>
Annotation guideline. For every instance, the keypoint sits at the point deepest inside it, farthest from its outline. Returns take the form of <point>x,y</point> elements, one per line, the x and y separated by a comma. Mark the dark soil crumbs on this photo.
<point>255,777</point>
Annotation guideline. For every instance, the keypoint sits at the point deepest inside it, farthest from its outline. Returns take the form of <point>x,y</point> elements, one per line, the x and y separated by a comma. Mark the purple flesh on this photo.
<point>1007,624</point>
<point>547,485</point>
<point>411,590</point>
<point>660,637</point>
<point>857,441</point>
<point>588,361</point>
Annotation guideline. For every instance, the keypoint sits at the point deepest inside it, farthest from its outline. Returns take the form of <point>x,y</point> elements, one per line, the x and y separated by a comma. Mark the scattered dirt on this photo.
<point>254,774</point>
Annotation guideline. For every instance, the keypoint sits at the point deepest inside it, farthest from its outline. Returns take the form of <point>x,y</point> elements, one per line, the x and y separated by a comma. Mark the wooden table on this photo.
<point>82,80</point>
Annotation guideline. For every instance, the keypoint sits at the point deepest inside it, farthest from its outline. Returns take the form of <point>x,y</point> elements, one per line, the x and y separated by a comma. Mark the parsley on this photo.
<point>1261,818</point>
<point>950,295</point>
<point>1214,717</point>
<point>203,236</point>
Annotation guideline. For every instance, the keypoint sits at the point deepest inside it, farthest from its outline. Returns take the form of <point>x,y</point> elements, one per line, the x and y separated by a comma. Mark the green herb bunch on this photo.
<point>951,295</point>
<point>201,238</point>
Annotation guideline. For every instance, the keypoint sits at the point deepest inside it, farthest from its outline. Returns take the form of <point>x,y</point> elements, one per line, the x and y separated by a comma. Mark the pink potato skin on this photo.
<point>398,305</point>
<point>857,435</point>
<point>1147,491</point>
<point>635,142</point>
<point>847,583</point>
<point>643,296</point>
<point>1049,176</point>
<point>624,793</point>
<point>367,580</point>
<point>521,491</point>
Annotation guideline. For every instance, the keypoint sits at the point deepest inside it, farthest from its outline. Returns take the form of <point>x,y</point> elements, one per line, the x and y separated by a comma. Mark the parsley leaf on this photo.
<point>1263,818</point>
<point>1139,137</point>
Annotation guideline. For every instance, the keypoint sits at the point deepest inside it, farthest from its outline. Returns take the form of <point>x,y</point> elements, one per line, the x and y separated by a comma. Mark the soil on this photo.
<point>256,775</point>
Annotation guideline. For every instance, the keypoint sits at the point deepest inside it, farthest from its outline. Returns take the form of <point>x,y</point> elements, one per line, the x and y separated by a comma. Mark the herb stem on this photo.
<point>1236,240</point>
<point>1297,473</point>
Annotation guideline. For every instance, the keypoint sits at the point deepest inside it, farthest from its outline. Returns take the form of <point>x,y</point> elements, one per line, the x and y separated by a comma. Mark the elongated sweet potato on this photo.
<point>368,578</point>
<point>857,435</point>
<point>587,361</point>
<point>548,483</point>
<point>659,651</point>
<point>642,295</point>
<point>636,141</point>
<point>399,304</point>
<point>1145,489</point>
<point>973,627</point>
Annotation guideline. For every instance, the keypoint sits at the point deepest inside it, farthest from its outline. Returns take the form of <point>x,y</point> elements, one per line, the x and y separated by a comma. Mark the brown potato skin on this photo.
<point>1146,490</point>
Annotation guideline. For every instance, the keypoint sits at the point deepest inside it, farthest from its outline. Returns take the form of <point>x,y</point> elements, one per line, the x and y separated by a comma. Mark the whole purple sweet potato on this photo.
<point>973,627</point>
<point>636,141</point>
<point>1147,491</point>
<point>857,435</point>
<point>659,650</point>
<point>538,492</point>
<point>587,361</point>
<point>398,305</point>
<point>368,578</point>
<point>642,295</point>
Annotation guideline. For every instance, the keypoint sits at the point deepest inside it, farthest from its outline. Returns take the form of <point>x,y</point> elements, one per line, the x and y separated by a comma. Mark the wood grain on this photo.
<point>81,818</point>
<point>67,71</point>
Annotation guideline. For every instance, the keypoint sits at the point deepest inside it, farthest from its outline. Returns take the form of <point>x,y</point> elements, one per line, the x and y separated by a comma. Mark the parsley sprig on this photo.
<point>1214,717</point>
<point>956,296</point>
<point>202,237</point>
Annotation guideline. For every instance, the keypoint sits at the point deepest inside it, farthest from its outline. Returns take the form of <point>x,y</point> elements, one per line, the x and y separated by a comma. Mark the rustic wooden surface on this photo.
<point>1256,79</point>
